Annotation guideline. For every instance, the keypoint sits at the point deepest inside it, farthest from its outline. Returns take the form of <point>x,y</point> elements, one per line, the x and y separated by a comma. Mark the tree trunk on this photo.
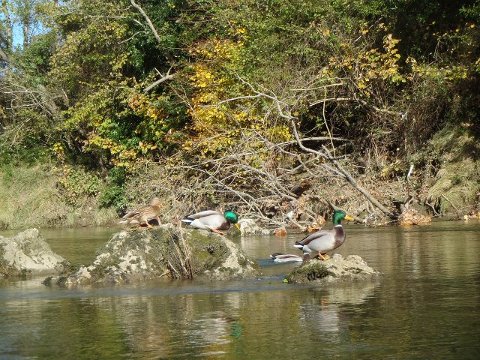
<point>6,38</point>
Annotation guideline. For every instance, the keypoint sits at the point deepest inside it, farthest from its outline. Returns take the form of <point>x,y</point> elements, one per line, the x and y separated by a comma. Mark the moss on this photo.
<point>165,251</point>
<point>6,271</point>
<point>208,250</point>
<point>311,271</point>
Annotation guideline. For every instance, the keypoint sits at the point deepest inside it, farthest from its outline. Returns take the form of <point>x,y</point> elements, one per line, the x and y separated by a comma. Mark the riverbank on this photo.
<point>55,199</point>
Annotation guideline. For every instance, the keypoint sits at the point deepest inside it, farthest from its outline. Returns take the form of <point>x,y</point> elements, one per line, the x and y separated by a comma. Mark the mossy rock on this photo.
<point>313,270</point>
<point>165,251</point>
<point>350,269</point>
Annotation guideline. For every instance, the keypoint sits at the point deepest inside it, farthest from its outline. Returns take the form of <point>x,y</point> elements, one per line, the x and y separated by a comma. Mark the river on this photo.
<point>426,305</point>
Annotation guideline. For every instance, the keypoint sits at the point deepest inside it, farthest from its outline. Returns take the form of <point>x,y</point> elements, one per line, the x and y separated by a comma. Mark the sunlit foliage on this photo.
<point>384,74</point>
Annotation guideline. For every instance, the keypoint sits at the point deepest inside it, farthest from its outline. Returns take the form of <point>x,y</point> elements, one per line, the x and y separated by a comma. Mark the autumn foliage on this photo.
<point>80,91</point>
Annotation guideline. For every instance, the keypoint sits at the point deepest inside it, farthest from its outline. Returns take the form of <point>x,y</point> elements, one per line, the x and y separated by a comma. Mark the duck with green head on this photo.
<point>323,241</point>
<point>212,220</point>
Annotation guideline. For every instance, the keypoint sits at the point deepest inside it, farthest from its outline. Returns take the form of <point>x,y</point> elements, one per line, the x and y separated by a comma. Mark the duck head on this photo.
<point>155,202</point>
<point>230,216</point>
<point>339,215</point>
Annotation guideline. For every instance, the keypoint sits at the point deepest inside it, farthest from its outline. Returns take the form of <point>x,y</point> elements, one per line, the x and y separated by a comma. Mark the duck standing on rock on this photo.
<point>325,240</point>
<point>212,220</point>
<point>144,215</point>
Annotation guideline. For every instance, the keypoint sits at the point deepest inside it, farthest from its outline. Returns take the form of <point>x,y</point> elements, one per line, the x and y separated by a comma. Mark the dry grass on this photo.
<point>30,198</point>
<point>456,185</point>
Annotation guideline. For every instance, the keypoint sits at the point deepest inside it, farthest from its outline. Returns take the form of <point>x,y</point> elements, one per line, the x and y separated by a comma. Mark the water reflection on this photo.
<point>323,312</point>
<point>164,326</point>
<point>426,305</point>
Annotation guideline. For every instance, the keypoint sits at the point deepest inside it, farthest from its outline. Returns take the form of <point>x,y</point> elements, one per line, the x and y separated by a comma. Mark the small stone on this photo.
<point>281,231</point>
<point>413,217</point>
<point>250,227</point>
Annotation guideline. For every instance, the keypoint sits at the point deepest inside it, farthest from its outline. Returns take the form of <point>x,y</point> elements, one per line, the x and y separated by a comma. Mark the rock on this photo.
<point>165,251</point>
<point>316,225</point>
<point>413,217</point>
<point>281,231</point>
<point>351,268</point>
<point>249,227</point>
<point>28,253</point>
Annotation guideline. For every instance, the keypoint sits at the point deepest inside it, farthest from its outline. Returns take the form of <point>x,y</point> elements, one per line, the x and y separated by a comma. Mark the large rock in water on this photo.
<point>338,268</point>
<point>164,251</point>
<point>28,253</point>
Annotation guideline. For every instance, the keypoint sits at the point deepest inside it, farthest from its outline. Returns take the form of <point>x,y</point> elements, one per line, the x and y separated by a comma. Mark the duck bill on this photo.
<point>349,218</point>
<point>237,225</point>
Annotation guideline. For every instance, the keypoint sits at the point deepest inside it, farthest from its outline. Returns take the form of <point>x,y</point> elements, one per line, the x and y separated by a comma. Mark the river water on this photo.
<point>426,305</point>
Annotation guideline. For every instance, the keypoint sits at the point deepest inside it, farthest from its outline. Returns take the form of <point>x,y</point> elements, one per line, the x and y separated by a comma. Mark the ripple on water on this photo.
<point>424,306</point>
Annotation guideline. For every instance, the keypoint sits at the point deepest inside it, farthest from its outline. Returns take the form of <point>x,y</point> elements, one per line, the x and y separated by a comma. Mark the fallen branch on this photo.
<point>335,167</point>
<point>342,172</point>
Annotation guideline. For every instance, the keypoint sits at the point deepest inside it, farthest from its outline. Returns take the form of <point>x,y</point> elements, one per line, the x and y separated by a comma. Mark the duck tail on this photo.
<point>298,245</point>
<point>187,220</point>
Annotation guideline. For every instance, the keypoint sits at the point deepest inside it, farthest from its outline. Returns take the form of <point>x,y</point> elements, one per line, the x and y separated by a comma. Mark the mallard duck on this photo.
<point>285,258</point>
<point>212,220</point>
<point>325,240</point>
<point>144,215</point>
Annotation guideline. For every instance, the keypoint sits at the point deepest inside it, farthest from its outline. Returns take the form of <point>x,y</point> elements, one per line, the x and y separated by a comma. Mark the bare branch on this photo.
<point>336,168</point>
<point>320,87</point>
<point>154,31</point>
<point>167,76</point>
<point>344,173</point>
<point>325,100</point>
<point>147,19</point>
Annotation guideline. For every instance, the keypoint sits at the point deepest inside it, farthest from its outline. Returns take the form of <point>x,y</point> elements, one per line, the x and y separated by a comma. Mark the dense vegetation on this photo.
<point>276,108</point>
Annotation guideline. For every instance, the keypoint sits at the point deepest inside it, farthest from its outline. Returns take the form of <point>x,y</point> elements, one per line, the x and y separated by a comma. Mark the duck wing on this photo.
<point>313,236</point>
<point>131,214</point>
<point>213,221</point>
<point>321,241</point>
<point>202,214</point>
<point>149,213</point>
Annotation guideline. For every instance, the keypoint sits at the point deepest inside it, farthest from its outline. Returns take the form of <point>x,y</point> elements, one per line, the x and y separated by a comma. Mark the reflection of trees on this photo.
<point>418,251</point>
<point>69,329</point>
<point>190,324</point>
<point>321,313</point>
<point>416,306</point>
<point>423,304</point>
<point>444,253</point>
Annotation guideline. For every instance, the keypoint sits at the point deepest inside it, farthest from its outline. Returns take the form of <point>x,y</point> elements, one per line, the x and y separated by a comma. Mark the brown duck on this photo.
<point>144,215</point>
